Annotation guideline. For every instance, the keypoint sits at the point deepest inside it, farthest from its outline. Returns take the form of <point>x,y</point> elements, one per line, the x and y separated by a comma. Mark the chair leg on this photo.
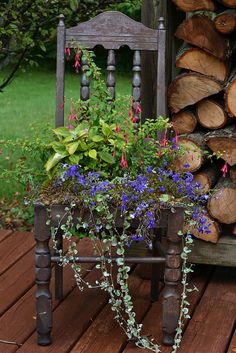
<point>172,277</point>
<point>156,273</point>
<point>58,269</point>
<point>43,277</point>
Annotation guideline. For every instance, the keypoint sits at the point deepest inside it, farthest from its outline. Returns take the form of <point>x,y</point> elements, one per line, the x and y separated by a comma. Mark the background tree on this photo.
<point>26,27</point>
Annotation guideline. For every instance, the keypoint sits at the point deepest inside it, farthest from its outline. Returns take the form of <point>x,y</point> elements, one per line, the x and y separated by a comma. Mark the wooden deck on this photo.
<point>83,322</point>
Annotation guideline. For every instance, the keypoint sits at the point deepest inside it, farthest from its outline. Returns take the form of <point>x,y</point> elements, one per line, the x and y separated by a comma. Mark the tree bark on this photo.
<point>228,3</point>
<point>222,202</point>
<point>193,5</point>
<point>230,94</point>
<point>200,31</point>
<point>190,88</point>
<point>223,142</point>
<point>185,121</point>
<point>232,173</point>
<point>191,158</point>
<point>207,177</point>
<point>212,226</point>
<point>211,114</point>
<point>196,59</point>
<point>225,22</point>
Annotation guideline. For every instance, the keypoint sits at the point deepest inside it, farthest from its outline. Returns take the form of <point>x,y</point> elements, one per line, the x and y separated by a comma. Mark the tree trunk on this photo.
<point>212,226</point>
<point>200,31</point>
<point>224,142</point>
<point>232,173</point>
<point>192,156</point>
<point>230,94</point>
<point>225,22</point>
<point>211,114</point>
<point>222,202</point>
<point>196,59</point>
<point>193,5</point>
<point>184,122</point>
<point>207,177</point>
<point>190,88</point>
<point>228,3</point>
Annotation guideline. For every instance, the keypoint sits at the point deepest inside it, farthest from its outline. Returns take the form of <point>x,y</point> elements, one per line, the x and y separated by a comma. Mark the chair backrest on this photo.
<point>112,29</point>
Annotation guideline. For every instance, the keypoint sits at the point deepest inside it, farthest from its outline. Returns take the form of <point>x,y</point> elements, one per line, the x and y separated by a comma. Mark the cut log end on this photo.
<point>208,176</point>
<point>222,203</point>
<point>232,174</point>
<point>192,157</point>
<point>211,114</point>
<point>223,142</point>
<point>190,88</point>
<point>193,5</point>
<point>230,98</point>
<point>212,232</point>
<point>225,22</point>
<point>185,122</point>
<point>196,59</point>
<point>228,3</point>
<point>200,31</point>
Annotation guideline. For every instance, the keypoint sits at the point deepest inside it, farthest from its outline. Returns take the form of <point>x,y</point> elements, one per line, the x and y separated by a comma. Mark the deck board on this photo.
<point>83,321</point>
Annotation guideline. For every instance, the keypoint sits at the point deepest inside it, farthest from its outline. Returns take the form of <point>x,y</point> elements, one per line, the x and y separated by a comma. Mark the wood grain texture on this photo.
<point>97,338</point>
<point>14,283</point>
<point>200,31</point>
<point>71,318</point>
<point>222,253</point>
<point>152,322</point>
<point>198,60</point>
<point>4,233</point>
<point>189,88</point>
<point>13,248</point>
<point>193,5</point>
<point>184,122</point>
<point>223,141</point>
<point>225,22</point>
<point>209,330</point>
<point>112,29</point>
<point>211,114</point>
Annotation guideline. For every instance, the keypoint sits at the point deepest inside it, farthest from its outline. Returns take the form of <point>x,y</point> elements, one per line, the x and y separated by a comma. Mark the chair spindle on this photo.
<point>85,81</point>
<point>111,68</point>
<point>136,84</point>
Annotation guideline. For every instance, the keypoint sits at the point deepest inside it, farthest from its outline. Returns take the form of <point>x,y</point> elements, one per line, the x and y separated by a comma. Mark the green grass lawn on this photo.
<point>30,99</point>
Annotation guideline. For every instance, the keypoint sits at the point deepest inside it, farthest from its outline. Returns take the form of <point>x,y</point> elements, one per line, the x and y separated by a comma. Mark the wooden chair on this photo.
<point>111,30</point>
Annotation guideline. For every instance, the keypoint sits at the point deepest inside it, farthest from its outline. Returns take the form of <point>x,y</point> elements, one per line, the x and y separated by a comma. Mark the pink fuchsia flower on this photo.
<point>67,52</point>
<point>28,187</point>
<point>225,169</point>
<point>69,127</point>
<point>138,109</point>
<point>77,61</point>
<point>126,139</point>
<point>75,115</point>
<point>164,141</point>
<point>124,163</point>
<point>117,128</point>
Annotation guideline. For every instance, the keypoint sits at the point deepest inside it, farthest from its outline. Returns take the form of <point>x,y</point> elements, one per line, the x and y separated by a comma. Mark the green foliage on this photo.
<point>100,132</point>
<point>27,29</point>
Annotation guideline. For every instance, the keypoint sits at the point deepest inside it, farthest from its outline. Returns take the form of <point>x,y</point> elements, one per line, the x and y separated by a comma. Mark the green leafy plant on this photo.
<point>134,182</point>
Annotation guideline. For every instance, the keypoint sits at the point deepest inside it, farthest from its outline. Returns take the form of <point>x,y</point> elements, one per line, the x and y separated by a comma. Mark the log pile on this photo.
<point>202,102</point>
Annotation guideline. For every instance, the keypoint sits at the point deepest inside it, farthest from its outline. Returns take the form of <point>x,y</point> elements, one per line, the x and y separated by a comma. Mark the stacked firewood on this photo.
<point>202,101</point>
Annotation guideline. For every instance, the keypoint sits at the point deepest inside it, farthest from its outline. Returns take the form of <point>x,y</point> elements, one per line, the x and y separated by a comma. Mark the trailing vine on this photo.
<point>121,179</point>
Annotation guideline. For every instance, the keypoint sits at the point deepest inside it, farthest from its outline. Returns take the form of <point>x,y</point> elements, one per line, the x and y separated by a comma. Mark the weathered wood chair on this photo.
<point>111,30</point>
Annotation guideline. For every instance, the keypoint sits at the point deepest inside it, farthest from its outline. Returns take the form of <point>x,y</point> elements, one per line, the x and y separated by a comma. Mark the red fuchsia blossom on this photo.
<point>124,163</point>
<point>138,109</point>
<point>126,139</point>
<point>69,127</point>
<point>164,141</point>
<point>225,169</point>
<point>67,52</point>
<point>117,128</point>
<point>134,120</point>
<point>28,187</point>
<point>77,61</point>
<point>75,115</point>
